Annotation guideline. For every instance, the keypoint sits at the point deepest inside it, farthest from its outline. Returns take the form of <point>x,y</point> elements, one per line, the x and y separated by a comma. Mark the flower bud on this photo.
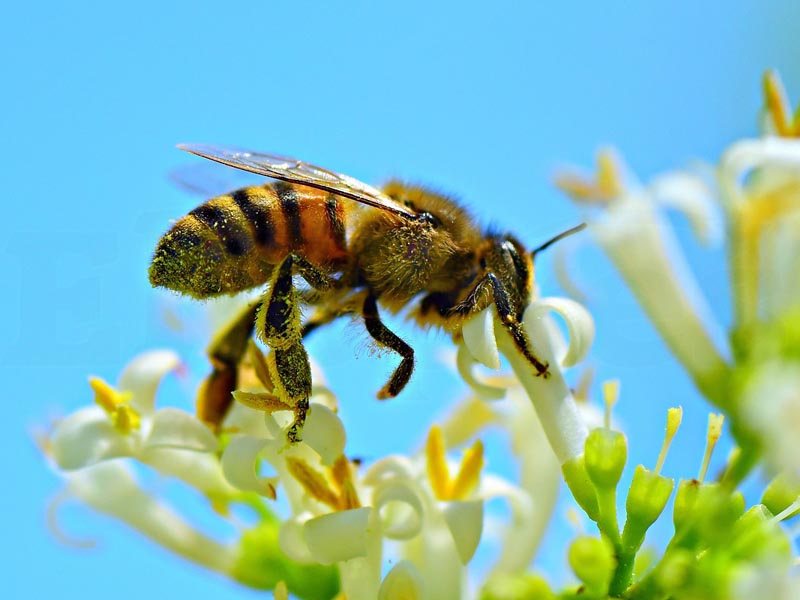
<point>606,454</point>
<point>782,492</point>
<point>592,561</point>
<point>647,497</point>
<point>512,586</point>
<point>577,479</point>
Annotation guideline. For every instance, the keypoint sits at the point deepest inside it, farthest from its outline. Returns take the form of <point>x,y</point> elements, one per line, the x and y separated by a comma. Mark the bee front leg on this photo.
<point>384,336</point>
<point>511,323</point>
<point>225,353</point>
<point>278,325</point>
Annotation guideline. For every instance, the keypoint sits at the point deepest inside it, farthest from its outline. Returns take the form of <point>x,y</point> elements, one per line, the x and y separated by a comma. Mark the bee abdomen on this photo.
<point>228,224</point>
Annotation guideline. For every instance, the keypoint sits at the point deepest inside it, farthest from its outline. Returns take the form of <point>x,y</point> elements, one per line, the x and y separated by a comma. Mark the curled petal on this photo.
<point>465,362</point>
<point>465,521</point>
<point>691,195</point>
<point>200,470</point>
<point>389,467</point>
<point>339,536</point>
<point>579,325</point>
<point>174,428</point>
<point>142,376</point>
<point>88,437</point>
<point>324,432</point>
<point>747,155</point>
<point>478,332</point>
<point>239,464</point>
<point>400,509</point>
<point>403,582</point>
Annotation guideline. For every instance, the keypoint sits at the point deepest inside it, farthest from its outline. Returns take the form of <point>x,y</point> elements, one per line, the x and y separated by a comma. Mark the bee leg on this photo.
<point>225,353</point>
<point>511,323</point>
<point>316,278</point>
<point>278,324</point>
<point>381,334</point>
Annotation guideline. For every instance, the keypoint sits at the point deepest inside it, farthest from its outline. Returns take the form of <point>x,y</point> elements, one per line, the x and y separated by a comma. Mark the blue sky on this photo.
<point>481,101</point>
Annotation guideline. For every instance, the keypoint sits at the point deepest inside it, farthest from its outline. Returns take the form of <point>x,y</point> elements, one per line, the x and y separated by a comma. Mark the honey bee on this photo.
<point>356,247</point>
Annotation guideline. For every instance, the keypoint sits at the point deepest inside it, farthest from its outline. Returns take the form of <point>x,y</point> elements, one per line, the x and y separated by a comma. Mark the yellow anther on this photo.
<point>342,475</point>
<point>438,473</point>
<point>470,472</point>
<point>715,422</point>
<point>604,187</point>
<point>262,401</point>
<point>674,417</point>
<point>444,487</point>
<point>777,105</point>
<point>124,418</point>
<point>609,183</point>
<point>313,482</point>
<point>610,396</point>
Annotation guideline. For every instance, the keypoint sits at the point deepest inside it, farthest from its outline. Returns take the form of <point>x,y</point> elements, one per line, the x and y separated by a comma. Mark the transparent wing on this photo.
<point>208,179</point>
<point>296,171</point>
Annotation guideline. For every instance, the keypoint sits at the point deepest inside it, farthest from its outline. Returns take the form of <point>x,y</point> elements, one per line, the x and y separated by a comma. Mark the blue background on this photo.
<point>482,100</point>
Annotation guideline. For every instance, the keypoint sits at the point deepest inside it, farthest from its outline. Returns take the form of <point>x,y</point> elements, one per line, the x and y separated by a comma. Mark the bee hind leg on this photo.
<point>225,352</point>
<point>384,336</point>
<point>278,325</point>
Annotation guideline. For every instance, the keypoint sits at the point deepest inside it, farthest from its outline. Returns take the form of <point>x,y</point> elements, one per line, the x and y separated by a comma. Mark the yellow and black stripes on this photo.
<point>227,223</point>
<point>289,202</point>
<point>257,213</point>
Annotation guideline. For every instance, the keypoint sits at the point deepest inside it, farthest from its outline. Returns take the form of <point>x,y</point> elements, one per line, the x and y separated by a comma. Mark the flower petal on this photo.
<point>691,195</point>
<point>580,325</point>
<point>239,461</point>
<point>478,332</point>
<point>339,536</point>
<point>400,508</point>
<point>465,521</point>
<point>403,582</point>
<point>87,437</point>
<point>175,428</point>
<point>465,362</point>
<point>325,433</point>
<point>200,470</point>
<point>142,376</point>
<point>111,488</point>
<point>746,155</point>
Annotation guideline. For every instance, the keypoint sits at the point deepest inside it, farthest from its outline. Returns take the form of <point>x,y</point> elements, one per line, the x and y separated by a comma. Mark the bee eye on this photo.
<point>430,219</point>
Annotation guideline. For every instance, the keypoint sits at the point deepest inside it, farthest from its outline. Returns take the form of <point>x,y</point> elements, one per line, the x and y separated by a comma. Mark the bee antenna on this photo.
<point>560,236</point>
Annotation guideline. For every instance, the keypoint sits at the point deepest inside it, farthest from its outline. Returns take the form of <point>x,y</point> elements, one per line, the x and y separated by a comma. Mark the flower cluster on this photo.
<point>308,520</point>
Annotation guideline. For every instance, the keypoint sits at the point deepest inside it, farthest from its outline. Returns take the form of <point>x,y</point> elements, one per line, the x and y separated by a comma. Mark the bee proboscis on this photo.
<point>356,247</point>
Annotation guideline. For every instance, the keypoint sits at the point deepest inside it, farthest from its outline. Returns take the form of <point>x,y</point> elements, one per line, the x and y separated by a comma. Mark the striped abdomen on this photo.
<point>232,242</point>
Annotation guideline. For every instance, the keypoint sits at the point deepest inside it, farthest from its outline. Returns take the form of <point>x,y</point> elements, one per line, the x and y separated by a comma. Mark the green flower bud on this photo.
<point>592,560</point>
<point>647,497</point>
<point>757,534</point>
<point>262,565</point>
<point>606,454</point>
<point>781,493</point>
<point>577,479</point>
<point>674,572</point>
<point>516,587</point>
<point>705,512</point>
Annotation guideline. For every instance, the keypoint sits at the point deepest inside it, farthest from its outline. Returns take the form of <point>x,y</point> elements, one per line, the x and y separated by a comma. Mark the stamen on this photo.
<point>124,418</point>
<point>343,479</point>
<point>265,402</point>
<point>609,182</point>
<point>438,473</point>
<point>470,472</point>
<point>674,417</point>
<point>312,482</point>
<point>777,104</point>
<point>788,511</point>
<point>259,362</point>
<point>715,422</point>
<point>610,395</point>
<point>104,395</point>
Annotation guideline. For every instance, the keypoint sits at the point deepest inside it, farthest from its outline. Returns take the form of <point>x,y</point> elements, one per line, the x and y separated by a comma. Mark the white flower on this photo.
<point>642,246</point>
<point>125,423</point>
<point>112,489</point>
<point>551,396</point>
<point>760,183</point>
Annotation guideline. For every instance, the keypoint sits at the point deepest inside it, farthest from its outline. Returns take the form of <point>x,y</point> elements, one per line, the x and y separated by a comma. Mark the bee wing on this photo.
<point>297,171</point>
<point>209,179</point>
